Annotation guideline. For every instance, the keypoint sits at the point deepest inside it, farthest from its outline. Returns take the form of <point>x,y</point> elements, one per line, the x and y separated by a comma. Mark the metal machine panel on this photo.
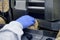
<point>50,25</point>
<point>20,4</point>
<point>19,8</point>
<point>51,9</point>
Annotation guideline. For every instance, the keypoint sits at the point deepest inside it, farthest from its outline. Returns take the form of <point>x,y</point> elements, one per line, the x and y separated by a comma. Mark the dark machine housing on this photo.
<point>44,9</point>
<point>48,11</point>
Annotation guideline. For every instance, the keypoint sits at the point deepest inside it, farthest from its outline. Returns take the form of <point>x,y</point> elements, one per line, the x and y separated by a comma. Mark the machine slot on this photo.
<point>33,12</point>
<point>36,4</point>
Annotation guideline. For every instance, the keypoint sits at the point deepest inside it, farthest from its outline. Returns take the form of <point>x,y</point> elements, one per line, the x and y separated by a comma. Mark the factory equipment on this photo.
<point>19,9</point>
<point>49,9</point>
<point>46,11</point>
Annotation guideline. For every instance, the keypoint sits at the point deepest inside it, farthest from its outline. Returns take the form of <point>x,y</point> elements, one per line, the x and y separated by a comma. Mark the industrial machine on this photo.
<point>49,9</point>
<point>46,11</point>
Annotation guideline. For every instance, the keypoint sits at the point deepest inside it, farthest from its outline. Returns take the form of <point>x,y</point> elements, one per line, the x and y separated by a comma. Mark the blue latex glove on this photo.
<point>26,21</point>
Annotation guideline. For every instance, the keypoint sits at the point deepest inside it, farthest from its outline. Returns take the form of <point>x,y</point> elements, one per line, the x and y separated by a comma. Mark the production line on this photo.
<point>46,13</point>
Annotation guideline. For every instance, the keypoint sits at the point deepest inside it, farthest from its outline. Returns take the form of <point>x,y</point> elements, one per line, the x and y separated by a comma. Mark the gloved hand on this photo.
<point>26,21</point>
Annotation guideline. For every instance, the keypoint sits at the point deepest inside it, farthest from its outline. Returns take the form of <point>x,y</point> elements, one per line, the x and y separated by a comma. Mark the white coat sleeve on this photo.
<point>11,31</point>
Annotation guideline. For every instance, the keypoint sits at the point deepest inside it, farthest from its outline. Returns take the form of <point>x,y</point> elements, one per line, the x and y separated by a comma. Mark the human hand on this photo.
<point>26,21</point>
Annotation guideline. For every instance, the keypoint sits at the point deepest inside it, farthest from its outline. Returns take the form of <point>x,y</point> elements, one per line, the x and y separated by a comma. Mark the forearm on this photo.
<point>15,27</point>
<point>7,35</point>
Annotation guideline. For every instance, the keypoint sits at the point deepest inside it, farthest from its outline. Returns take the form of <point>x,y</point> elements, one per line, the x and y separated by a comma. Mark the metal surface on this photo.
<point>19,9</point>
<point>42,1</point>
<point>50,25</point>
<point>36,8</point>
<point>18,13</point>
<point>51,9</point>
<point>32,7</point>
<point>20,5</point>
<point>38,35</point>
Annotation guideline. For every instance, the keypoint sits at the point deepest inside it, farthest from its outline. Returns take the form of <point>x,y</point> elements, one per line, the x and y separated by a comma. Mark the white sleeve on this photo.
<point>8,35</point>
<point>15,27</point>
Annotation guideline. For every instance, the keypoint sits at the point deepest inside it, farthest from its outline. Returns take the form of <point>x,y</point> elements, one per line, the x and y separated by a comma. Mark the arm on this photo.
<point>12,27</point>
<point>17,26</point>
<point>7,35</point>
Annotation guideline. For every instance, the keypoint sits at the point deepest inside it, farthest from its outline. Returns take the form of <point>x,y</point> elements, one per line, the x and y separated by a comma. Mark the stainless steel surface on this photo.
<point>50,25</point>
<point>20,5</point>
<point>42,1</point>
<point>52,11</point>
<point>33,7</point>
<point>52,8</point>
